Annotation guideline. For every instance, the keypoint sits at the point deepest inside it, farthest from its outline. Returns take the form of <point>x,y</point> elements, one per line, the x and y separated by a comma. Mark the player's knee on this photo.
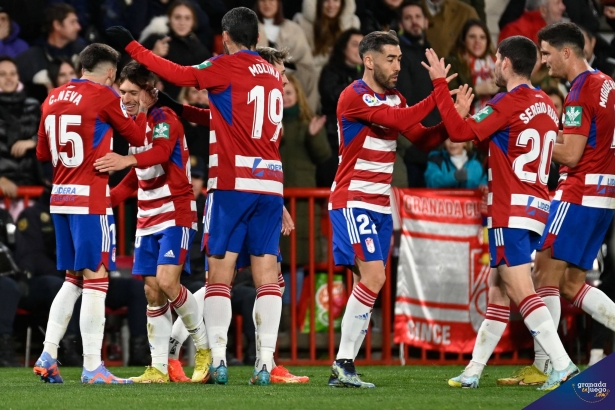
<point>152,294</point>
<point>167,284</point>
<point>569,289</point>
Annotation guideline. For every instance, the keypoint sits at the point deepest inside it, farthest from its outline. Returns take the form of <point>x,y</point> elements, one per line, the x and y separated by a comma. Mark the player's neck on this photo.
<point>56,40</point>
<point>372,83</point>
<point>98,79</point>
<point>577,67</point>
<point>234,48</point>
<point>515,82</point>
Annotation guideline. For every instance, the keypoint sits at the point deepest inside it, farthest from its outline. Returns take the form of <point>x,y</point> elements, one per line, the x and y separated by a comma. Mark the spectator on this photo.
<point>10,43</point>
<point>278,32</point>
<point>454,166</point>
<point>537,14</point>
<point>322,22</point>
<point>597,58</point>
<point>304,145</point>
<point>446,19</point>
<point>581,12</point>
<point>60,72</point>
<point>473,60</point>
<point>62,41</point>
<point>344,67</point>
<point>172,37</point>
<point>379,15</point>
<point>19,121</point>
<point>197,136</point>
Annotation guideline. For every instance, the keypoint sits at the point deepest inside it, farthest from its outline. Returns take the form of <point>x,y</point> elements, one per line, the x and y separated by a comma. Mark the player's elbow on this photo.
<point>570,159</point>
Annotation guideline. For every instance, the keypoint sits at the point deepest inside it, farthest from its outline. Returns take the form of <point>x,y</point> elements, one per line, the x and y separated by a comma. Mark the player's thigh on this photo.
<point>65,246</point>
<point>264,226</point>
<point>355,236</point>
<point>94,238</point>
<point>221,269</point>
<point>225,221</point>
<point>547,270</point>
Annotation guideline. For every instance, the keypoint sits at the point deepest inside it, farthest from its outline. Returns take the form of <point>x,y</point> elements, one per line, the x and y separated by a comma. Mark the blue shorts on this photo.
<point>236,219</point>
<point>360,233</point>
<point>512,246</point>
<point>170,246</point>
<point>84,241</point>
<point>575,233</point>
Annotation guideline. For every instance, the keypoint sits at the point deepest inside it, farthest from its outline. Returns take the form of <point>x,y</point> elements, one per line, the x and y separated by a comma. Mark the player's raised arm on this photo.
<point>195,115</point>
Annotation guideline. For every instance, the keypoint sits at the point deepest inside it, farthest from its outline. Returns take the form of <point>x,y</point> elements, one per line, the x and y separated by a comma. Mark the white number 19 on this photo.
<point>274,112</point>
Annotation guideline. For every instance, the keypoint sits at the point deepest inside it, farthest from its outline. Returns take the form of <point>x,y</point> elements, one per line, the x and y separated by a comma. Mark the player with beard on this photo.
<point>370,114</point>
<point>521,126</point>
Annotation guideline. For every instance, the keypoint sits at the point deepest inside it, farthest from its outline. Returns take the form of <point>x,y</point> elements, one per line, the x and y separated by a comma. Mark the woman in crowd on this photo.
<point>172,37</point>
<point>278,32</point>
<point>454,166</point>
<point>473,59</point>
<point>60,72</point>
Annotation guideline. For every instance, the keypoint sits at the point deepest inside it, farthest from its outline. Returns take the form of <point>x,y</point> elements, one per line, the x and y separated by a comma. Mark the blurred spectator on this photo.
<point>278,32</point>
<point>537,14</point>
<point>343,68</point>
<point>60,72</point>
<point>19,121</point>
<point>291,7</point>
<point>62,41</point>
<point>597,58</point>
<point>581,12</point>
<point>10,43</point>
<point>172,37</point>
<point>479,6</point>
<point>322,22</point>
<point>197,136</point>
<point>473,60</point>
<point>414,82</point>
<point>378,15</point>
<point>30,15</point>
<point>304,145</point>
<point>454,166</point>
<point>446,19</point>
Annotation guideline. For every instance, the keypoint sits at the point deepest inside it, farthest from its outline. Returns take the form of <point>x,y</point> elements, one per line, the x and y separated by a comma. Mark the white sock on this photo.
<point>549,295</point>
<point>359,341</point>
<point>179,333</point>
<point>267,311</point>
<point>487,338</point>
<point>538,320</point>
<point>188,310</point>
<point>60,313</point>
<point>159,322</point>
<point>218,315</point>
<point>92,320</point>
<point>594,302</point>
<point>358,311</point>
<point>281,282</point>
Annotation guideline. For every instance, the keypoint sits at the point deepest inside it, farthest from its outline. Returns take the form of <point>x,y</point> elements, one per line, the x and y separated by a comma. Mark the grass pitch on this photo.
<point>410,387</point>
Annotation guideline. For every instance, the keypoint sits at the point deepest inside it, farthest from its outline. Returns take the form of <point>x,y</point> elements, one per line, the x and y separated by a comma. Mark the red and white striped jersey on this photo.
<point>75,130</point>
<point>589,110</point>
<point>162,176</point>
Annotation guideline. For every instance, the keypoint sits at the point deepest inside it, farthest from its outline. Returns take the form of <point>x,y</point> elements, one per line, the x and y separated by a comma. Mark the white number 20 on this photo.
<point>65,137</point>
<point>274,111</point>
<point>535,151</point>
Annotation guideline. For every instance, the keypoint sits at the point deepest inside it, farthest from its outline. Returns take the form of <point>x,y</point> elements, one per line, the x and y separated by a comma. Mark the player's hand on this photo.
<point>437,68</point>
<point>20,148</point>
<point>147,98</point>
<point>464,99</point>
<point>119,37</point>
<point>316,124</point>
<point>9,188</point>
<point>114,162</point>
<point>609,12</point>
<point>161,47</point>
<point>287,223</point>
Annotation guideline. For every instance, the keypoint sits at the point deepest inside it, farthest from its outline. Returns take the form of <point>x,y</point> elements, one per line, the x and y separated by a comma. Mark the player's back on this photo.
<point>589,110</point>
<point>519,158</point>
<point>76,137</point>
<point>246,122</point>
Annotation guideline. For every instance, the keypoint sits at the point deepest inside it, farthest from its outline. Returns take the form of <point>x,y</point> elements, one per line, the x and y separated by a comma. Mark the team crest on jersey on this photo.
<point>574,115</point>
<point>482,114</point>
<point>370,100</point>
<point>161,130</point>
<point>369,244</point>
<point>203,65</point>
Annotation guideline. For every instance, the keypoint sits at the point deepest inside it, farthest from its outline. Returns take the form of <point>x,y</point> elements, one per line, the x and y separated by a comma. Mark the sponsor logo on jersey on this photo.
<point>482,114</point>
<point>203,65</point>
<point>574,115</point>
<point>370,100</point>
<point>369,244</point>
<point>161,130</point>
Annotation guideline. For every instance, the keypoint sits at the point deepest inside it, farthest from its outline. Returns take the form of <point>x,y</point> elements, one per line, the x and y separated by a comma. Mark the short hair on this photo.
<point>522,53</point>
<point>531,5</point>
<point>559,35</point>
<point>97,53</point>
<point>54,69</point>
<point>9,59</point>
<point>415,3</point>
<point>375,40</point>
<point>339,48</point>
<point>273,55</point>
<point>241,24</point>
<point>137,74</point>
<point>56,12</point>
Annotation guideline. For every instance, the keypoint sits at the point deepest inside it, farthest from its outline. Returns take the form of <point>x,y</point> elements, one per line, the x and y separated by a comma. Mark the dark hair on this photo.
<point>522,53</point>
<point>185,3</point>
<point>326,30</point>
<point>53,71</point>
<point>408,3</point>
<point>278,19</point>
<point>459,49</point>
<point>375,40</point>
<point>337,54</point>
<point>241,24</point>
<point>56,12</point>
<point>560,35</point>
<point>272,55</point>
<point>138,75</point>
<point>590,33</point>
<point>98,53</point>
<point>8,58</point>
<point>554,91</point>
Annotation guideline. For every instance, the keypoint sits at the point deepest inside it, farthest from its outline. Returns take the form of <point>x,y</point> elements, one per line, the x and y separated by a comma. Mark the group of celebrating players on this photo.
<point>245,212</point>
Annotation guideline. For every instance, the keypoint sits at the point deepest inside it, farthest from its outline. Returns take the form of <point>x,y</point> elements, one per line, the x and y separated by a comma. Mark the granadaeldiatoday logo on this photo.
<point>589,390</point>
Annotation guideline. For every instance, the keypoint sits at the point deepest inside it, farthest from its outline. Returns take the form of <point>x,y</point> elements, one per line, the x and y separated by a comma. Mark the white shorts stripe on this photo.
<point>353,226</point>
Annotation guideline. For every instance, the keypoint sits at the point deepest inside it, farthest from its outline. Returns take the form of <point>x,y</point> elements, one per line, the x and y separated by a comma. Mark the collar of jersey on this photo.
<point>255,53</point>
<point>583,74</point>
<point>523,86</point>
<point>381,97</point>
